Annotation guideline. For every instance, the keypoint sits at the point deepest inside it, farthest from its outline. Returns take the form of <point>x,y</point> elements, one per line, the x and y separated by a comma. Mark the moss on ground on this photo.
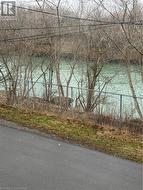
<point>110,140</point>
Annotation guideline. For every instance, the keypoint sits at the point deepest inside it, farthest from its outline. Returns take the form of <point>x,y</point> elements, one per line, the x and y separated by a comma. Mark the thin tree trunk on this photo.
<point>136,103</point>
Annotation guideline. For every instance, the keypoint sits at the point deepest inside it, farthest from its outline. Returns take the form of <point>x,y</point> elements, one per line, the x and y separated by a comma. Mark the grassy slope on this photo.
<point>107,139</point>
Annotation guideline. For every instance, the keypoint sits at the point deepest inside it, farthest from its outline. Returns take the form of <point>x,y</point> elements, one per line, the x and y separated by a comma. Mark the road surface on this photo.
<point>33,162</point>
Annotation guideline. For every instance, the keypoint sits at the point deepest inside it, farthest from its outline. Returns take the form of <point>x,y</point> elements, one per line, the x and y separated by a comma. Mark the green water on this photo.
<point>119,83</point>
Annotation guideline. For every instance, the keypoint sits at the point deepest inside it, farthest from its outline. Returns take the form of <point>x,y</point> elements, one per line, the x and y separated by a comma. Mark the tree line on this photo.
<point>94,32</point>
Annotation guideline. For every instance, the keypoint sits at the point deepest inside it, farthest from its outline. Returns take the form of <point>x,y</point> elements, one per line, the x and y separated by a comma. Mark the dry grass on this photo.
<point>104,138</point>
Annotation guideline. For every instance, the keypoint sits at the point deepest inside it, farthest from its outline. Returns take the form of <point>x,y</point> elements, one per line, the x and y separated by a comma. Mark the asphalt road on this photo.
<point>33,162</point>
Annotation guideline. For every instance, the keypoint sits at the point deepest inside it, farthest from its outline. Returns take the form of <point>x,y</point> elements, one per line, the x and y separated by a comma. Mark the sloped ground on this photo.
<point>33,162</point>
<point>108,139</point>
